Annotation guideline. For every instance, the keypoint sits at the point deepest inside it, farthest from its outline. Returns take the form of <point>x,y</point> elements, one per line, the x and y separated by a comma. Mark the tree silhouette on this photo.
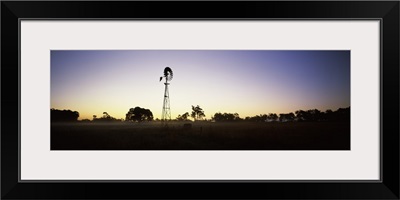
<point>63,115</point>
<point>105,118</point>
<point>226,117</point>
<point>257,118</point>
<point>290,116</point>
<point>342,114</point>
<point>183,117</point>
<point>106,115</point>
<point>312,115</point>
<point>139,114</point>
<point>263,118</point>
<point>197,113</point>
<point>283,117</point>
<point>272,117</point>
<point>301,115</point>
<point>328,115</point>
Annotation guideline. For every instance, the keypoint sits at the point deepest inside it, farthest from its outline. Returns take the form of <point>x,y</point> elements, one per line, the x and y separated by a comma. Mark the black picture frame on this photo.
<point>386,11</point>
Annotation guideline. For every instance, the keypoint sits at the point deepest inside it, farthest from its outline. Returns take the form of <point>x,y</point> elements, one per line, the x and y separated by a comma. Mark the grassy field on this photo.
<point>201,136</point>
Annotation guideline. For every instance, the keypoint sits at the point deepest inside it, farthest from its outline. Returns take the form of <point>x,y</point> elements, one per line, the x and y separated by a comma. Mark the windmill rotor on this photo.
<point>168,74</point>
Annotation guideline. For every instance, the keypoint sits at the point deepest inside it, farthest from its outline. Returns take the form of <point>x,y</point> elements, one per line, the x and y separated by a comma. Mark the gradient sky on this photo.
<point>249,82</point>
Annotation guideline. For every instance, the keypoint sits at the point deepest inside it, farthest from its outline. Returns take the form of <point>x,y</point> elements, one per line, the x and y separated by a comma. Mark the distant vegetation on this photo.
<point>226,117</point>
<point>63,115</point>
<point>312,115</point>
<point>197,113</point>
<point>139,114</point>
<point>105,118</point>
<point>183,117</point>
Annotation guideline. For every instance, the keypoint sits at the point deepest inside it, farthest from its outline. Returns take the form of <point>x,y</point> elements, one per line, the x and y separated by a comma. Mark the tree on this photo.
<point>183,117</point>
<point>290,116</point>
<point>301,115</point>
<point>257,118</point>
<point>197,113</point>
<point>139,114</point>
<point>226,117</point>
<point>236,117</point>
<point>193,114</point>
<point>218,117</point>
<point>283,117</point>
<point>328,115</point>
<point>263,118</point>
<point>309,115</point>
<point>314,115</point>
<point>342,114</point>
<point>272,117</point>
<point>63,115</point>
<point>106,115</point>
<point>105,118</point>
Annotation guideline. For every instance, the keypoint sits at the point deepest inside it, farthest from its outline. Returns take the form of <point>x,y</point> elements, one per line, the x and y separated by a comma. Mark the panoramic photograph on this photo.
<point>200,100</point>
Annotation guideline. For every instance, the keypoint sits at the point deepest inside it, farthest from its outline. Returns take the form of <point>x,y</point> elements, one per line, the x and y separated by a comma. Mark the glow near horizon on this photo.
<point>249,82</point>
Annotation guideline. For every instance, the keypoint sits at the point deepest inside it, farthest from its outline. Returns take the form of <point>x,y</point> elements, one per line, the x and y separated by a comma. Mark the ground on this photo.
<point>201,136</point>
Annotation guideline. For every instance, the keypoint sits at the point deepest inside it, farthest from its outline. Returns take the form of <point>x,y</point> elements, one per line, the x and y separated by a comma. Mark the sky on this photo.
<point>247,82</point>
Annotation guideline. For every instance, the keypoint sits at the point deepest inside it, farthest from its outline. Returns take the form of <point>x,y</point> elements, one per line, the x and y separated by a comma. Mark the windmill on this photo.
<point>166,112</point>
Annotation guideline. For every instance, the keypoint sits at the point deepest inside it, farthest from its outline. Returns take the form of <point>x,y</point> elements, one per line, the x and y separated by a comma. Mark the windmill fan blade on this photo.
<point>160,78</point>
<point>168,73</point>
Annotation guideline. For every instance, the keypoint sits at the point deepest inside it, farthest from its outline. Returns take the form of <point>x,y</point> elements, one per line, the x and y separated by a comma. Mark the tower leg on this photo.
<point>166,112</point>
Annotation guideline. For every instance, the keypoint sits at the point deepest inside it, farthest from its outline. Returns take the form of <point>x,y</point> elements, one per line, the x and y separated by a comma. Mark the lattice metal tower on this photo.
<point>166,112</point>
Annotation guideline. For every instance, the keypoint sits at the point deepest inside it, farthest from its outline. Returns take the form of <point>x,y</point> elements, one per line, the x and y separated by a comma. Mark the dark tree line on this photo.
<point>271,117</point>
<point>139,114</point>
<point>63,115</point>
<point>341,114</point>
<point>312,115</point>
<point>136,114</point>
<point>105,118</point>
<point>226,117</point>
